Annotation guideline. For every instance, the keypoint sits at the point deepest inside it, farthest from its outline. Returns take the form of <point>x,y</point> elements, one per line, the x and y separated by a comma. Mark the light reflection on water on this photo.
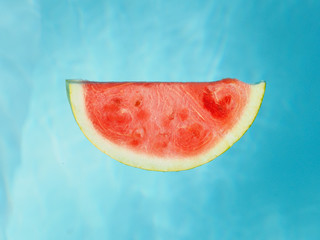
<point>55,185</point>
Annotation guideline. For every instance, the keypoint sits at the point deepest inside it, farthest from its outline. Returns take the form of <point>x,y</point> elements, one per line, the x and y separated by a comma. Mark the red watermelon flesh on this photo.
<point>165,118</point>
<point>166,121</point>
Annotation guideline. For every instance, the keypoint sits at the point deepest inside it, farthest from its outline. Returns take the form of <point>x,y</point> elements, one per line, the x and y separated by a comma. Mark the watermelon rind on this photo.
<point>132,158</point>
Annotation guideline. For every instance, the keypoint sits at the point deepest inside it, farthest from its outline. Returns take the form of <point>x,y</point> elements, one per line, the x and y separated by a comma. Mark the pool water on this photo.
<point>54,184</point>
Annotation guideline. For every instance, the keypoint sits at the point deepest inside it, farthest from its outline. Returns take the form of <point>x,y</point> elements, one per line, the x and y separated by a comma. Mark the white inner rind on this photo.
<point>149,162</point>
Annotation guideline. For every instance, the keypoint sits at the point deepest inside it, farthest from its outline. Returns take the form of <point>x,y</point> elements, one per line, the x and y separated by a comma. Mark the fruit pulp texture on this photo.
<point>166,119</point>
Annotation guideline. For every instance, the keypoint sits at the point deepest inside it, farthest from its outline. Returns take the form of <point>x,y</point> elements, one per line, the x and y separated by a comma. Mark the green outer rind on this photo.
<point>68,91</point>
<point>68,82</point>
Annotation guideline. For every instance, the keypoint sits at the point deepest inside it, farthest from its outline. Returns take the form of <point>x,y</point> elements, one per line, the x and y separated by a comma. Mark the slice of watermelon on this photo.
<point>164,126</point>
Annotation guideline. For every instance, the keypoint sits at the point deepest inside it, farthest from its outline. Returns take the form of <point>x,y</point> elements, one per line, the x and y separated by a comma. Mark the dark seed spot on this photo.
<point>116,100</point>
<point>138,103</point>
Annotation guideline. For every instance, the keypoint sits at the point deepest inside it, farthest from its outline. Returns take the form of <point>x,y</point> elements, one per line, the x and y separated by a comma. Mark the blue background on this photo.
<point>54,184</point>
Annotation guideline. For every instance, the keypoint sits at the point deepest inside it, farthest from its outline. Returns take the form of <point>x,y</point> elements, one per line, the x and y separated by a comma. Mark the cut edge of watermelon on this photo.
<point>154,163</point>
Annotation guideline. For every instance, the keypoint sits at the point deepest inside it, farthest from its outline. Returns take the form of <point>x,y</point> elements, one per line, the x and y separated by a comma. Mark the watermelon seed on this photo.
<point>138,103</point>
<point>116,100</point>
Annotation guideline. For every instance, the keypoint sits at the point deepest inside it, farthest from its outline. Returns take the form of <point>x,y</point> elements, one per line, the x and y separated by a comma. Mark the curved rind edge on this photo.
<point>147,162</point>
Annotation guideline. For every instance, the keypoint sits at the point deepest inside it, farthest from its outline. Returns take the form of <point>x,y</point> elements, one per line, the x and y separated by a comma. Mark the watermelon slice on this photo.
<point>164,126</point>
